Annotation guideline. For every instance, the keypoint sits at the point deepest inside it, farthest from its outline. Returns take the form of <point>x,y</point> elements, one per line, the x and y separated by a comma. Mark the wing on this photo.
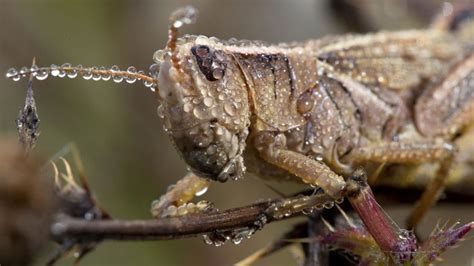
<point>394,60</point>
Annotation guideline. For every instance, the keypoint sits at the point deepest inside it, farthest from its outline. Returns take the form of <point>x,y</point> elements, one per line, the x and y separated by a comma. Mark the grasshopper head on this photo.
<point>204,102</point>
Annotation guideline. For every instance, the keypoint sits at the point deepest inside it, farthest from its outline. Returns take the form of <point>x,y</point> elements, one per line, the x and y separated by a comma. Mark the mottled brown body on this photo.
<point>328,97</point>
<point>332,100</point>
<point>311,111</point>
<point>316,111</point>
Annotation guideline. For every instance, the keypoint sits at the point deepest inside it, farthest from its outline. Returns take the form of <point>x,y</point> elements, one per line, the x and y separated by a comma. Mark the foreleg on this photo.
<point>272,149</point>
<point>173,202</point>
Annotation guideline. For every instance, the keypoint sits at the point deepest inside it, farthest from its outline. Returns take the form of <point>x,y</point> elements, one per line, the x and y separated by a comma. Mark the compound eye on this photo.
<point>210,64</point>
<point>201,51</point>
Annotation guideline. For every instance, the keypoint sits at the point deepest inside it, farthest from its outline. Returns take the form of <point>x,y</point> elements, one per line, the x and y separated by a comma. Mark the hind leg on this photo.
<point>447,109</point>
<point>431,193</point>
<point>441,112</point>
<point>408,153</point>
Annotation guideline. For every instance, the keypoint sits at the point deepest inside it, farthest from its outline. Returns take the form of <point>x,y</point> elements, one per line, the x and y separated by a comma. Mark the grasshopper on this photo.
<point>313,111</point>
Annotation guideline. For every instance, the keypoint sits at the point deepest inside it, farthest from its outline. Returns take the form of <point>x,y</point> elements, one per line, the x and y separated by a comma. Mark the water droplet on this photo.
<point>187,107</point>
<point>87,74</point>
<point>58,228</point>
<point>114,68</point>
<point>131,70</point>
<point>148,84</point>
<point>305,103</point>
<point>218,243</point>
<point>95,76</point>
<point>211,150</point>
<point>201,205</point>
<point>11,73</point>
<point>89,216</point>
<point>201,192</point>
<point>327,140</point>
<point>23,71</point>
<point>199,112</point>
<point>307,211</point>
<point>207,239</point>
<point>72,73</point>
<point>218,73</point>
<point>54,70</point>
<point>230,108</point>
<point>105,75</point>
<point>154,69</point>
<point>237,240</point>
<point>220,131</point>
<point>182,210</point>
<point>158,56</point>
<point>42,74</point>
<point>141,72</point>
<point>185,15</point>
<point>381,79</point>
<point>130,79</point>
<point>117,78</point>
<point>278,215</point>
<point>197,100</point>
<point>208,101</point>
<point>170,211</point>
<point>178,24</point>
<point>250,232</point>
<point>170,187</point>
<point>160,111</point>
<point>34,70</point>
<point>190,205</point>
<point>62,73</point>
<point>328,205</point>
<point>65,70</point>
<point>447,9</point>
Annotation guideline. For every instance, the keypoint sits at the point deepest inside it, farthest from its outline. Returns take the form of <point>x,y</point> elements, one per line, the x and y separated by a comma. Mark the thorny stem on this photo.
<point>392,240</point>
<point>166,228</point>
<point>385,232</point>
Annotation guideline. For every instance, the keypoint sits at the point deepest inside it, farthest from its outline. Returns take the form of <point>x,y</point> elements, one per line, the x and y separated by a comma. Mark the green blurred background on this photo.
<point>128,158</point>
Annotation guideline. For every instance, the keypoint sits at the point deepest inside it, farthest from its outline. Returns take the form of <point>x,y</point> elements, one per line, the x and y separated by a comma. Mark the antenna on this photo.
<point>130,75</point>
<point>180,17</point>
